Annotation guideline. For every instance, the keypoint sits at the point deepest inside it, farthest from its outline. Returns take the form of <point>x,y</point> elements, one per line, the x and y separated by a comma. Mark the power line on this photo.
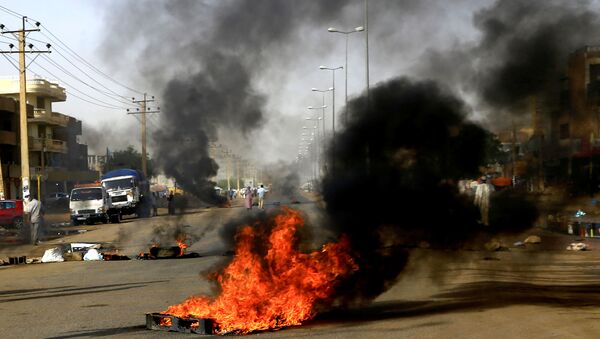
<point>62,45</point>
<point>81,59</point>
<point>12,61</point>
<point>104,104</point>
<point>11,12</point>
<point>67,72</point>
<point>96,81</point>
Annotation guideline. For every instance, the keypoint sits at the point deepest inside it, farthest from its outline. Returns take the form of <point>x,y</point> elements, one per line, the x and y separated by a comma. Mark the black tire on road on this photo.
<point>18,223</point>
<point>115,218</point>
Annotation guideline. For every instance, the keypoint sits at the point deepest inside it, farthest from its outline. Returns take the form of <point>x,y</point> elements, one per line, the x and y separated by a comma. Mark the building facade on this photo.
<point>57,160</point>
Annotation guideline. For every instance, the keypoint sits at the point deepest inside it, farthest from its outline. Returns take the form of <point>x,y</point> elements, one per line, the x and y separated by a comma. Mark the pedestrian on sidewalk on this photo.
<point>261,196</point>
<point>482,199</point>
<point>171,203</point>
<point>35,211</point>
<point>248,196</point>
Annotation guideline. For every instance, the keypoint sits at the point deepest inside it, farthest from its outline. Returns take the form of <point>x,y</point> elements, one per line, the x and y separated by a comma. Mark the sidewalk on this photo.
<point>13,245</point>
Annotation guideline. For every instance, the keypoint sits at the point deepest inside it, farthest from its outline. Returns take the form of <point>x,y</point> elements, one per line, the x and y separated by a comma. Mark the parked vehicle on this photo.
<point>89,204</point>
<point>56,196</point>
<point>11,213</point>
<point>57,201</point>
<point>129,193</point>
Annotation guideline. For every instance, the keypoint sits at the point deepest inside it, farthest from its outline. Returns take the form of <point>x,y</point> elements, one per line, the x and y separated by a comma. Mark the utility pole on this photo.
<point>237,160</point>
<point>367,46</point>
<point>227,152</point>
<point>23,135</point>
<point>144,110</point>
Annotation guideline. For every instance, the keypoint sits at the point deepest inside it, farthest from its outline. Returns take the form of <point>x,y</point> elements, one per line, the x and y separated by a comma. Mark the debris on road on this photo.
<point>169,323</point>
<point>17,260</point>
<point>82,246</point>
<point>53,255</point>
<point>519,244</point>
<point>92,255</point>
<point>577,246</point>
<point>110,256</point>
<point>494,245</point>
<point>533,239</point>
<point>73,256</point>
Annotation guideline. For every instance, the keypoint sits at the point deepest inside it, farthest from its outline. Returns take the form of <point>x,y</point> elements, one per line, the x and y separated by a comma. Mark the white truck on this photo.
<point>129,193</point>
<point>89,204</point>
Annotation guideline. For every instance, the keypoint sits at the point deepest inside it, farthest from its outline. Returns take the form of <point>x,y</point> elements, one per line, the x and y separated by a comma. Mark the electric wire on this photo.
<point>82,60</point>
<point>103,103</point>
<point>67,72</point>
<point>10,59</point>
<point>58,42</point>
<point>11,12</point>
<point>96,81</point>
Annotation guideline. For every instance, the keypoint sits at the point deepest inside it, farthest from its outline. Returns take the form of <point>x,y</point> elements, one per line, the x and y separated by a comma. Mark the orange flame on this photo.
<point>182,246</point>
<point>272,291</point>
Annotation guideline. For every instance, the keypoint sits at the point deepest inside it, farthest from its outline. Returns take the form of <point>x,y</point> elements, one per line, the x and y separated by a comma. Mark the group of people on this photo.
<point>249,194</point>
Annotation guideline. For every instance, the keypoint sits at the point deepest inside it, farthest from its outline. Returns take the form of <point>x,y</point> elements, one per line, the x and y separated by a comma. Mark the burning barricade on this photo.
<point>269,284</point>
<point>171,252</point>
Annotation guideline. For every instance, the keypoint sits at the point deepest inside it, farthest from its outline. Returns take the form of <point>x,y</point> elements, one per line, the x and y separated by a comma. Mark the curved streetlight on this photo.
<point>346,33</point>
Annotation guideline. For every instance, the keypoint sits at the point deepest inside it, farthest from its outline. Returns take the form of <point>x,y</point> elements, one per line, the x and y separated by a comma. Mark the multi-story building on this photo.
<point>55,156</point>
<point>574,145</point>
<point>9,145</point>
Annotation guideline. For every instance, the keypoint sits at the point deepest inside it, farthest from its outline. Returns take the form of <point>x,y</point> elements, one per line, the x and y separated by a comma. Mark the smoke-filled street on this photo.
<point>540,290</point>
<point>337,169</point>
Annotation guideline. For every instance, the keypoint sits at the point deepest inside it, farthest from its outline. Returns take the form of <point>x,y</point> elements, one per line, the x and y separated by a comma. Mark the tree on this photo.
<point>127,158</point>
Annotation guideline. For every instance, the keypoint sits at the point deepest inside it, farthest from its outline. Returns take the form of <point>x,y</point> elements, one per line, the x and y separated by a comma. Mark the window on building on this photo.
<point>594,72</point>
<point>564,131</point>
<point>40,103</point>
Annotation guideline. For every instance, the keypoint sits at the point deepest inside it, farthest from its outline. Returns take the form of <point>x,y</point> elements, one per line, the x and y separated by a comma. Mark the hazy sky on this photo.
<point>146,44</point>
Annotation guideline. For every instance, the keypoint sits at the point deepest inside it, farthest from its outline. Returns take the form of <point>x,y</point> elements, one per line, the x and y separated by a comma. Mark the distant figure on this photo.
<point>482,199</point>
<point>154,197</point>
<point>36,217</point>
<point>248,196</point>
<point>261,196</point>
<point>171,203</point>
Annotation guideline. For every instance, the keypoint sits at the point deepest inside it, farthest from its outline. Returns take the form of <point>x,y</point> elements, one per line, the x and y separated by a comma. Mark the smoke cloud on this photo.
<point>522,52</point>
<point>393,183</point>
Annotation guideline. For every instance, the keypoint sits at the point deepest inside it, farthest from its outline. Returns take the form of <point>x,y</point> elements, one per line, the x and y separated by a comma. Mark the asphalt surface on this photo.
<point>532,292</point>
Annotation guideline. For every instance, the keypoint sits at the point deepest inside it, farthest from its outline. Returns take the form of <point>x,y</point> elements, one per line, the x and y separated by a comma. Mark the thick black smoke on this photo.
<point>220,55</point>
<point>283,179</point>
<point>394,179</point>
<point>522,52</point>
<point>525,46</point>
<point>194,107</point>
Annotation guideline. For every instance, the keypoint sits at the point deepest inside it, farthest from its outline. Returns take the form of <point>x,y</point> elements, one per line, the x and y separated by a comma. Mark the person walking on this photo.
<point>35,211</point>
<point>171,203</point>
<point>482,199</point>
<point>261,196</point>
<point>248,196</point>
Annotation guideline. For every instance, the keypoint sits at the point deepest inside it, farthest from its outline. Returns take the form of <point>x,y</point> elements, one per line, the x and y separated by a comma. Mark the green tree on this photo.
<point>128,158</point>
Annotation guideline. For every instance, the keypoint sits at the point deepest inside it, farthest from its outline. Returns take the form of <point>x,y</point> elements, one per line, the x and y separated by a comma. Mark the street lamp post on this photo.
<point>346,33</point>
<point>315,137</point>
<point>332,69</point>
<point>322,108</point>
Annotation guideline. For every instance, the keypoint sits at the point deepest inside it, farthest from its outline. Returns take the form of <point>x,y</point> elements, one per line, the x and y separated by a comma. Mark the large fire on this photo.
<point>277,288</point>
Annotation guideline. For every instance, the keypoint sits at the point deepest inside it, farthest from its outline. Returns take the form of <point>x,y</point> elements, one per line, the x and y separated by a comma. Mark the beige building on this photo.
<point>55,156</point>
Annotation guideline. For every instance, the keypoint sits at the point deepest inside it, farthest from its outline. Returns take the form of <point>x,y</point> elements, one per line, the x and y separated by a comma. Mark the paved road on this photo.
<point>469,294</point>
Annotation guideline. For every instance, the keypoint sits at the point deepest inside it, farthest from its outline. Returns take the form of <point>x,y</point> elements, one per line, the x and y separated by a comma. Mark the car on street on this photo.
<point>11,213</point>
